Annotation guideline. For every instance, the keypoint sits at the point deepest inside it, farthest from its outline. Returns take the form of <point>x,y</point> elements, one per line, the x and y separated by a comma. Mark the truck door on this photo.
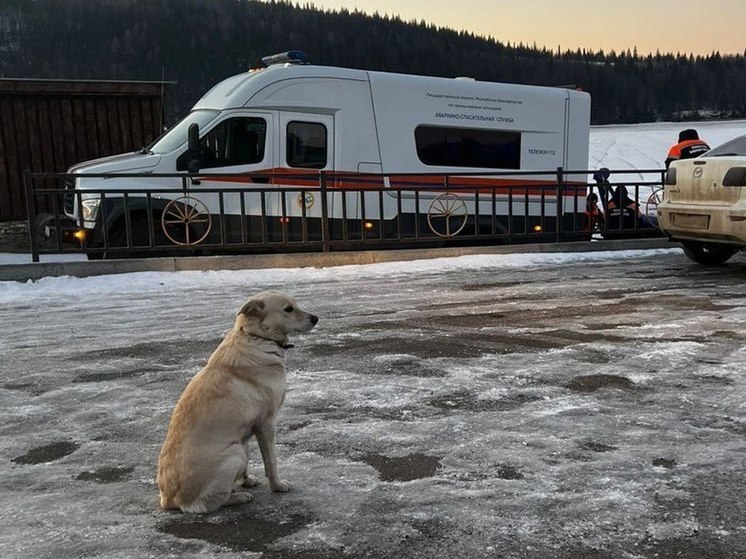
<point>308,142</point>
<point>239,145</point>
<point>306,147</point>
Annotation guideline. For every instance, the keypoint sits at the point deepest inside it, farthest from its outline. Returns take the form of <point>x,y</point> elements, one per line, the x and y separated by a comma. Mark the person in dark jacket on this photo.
<point>688,147</point>
<point>626,210</point>
<point>604,188</point>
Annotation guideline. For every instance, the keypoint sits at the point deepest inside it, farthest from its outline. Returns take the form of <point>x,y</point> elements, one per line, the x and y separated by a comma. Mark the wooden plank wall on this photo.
<point>48,126</point>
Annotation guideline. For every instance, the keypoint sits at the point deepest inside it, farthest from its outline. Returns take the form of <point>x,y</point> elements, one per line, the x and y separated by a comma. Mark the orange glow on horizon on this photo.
<point>667,26</point>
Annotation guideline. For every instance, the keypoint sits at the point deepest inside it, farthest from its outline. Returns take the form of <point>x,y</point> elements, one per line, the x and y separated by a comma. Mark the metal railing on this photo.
<point>147,214</point>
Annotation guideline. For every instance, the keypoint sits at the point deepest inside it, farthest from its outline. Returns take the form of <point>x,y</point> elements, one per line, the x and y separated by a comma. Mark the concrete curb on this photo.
<point>35,271</point>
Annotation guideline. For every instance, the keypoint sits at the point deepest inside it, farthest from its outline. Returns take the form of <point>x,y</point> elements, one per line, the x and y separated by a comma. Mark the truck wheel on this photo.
<point>139,241</point>
<point>709,254</point>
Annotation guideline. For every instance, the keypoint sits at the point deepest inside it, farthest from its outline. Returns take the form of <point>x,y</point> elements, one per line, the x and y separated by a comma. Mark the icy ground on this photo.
<point>586,406</point>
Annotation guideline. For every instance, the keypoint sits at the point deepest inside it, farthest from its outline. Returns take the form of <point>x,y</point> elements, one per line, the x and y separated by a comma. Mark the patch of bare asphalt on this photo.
<point>729,335</point>
<point>237,530</point>
<point>597,447</point>
<point>713,379</point>
<point>30,387</point>
<point>163,352</point>
<point>719,422</point>
<point>47,453</point>
<point>468,401</point>
<point>432,347</point>
<point>109,375</point>
<point>491,286</point>
<point>712,500</point>
<point>508,472</point>
<point>591,383</point>
<point>612,306</point>
<point>498,471</point>
<point>403,468</point>
<point>107,474</point>
<point>664,463</point>
<point>408,366</point>
<point>677,302</point>
<point>595,356</point>
<point>425,344</point>
<point>457,305</point>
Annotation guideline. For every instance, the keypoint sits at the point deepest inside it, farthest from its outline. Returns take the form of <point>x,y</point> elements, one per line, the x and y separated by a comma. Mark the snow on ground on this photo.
<point>390,272</point>
<point>514,406</point>
<point>517,406</point>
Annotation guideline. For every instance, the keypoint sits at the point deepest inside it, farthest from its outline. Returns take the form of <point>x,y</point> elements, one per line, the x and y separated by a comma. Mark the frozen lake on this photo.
<point>515,406</point>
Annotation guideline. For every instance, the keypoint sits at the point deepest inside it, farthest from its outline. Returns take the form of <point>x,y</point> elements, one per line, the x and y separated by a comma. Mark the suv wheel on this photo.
<point>709,254</point>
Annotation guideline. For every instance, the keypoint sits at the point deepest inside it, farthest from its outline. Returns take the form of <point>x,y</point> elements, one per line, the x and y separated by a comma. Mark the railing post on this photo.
<point>326,247</point>
<point>31,214</point>
<point>560,203</point>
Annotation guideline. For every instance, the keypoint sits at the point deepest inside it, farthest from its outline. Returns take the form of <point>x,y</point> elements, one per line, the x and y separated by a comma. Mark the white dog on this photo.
<point>204,459</point>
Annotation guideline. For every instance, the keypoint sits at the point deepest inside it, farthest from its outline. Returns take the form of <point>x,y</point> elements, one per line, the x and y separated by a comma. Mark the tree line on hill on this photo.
<point>199,42</point>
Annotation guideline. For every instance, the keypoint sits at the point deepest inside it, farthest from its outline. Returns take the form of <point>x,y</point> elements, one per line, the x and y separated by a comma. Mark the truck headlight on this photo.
<point>90,208</point>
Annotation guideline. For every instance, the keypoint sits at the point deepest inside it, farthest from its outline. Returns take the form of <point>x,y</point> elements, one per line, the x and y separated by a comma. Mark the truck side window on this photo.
<point>306,145</point>
<point>468,147</point>
<point>235,141</point>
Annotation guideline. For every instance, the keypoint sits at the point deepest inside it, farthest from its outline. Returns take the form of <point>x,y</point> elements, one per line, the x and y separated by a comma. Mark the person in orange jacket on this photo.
<point>593,214</point>
<point>689,146</point>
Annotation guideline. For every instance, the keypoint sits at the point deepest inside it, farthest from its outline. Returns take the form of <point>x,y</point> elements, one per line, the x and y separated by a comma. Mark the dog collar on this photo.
<point>281,346</point>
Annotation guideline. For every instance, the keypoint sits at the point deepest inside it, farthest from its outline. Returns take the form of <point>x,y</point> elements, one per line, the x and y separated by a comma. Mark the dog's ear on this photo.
<point>253,309</point>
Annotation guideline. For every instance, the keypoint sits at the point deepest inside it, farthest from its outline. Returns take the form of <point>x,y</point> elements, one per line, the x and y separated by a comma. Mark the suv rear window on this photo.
<point>728,149</point>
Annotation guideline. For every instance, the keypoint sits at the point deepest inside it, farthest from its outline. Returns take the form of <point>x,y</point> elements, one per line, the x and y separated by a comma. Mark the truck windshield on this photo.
<point>177,135</point>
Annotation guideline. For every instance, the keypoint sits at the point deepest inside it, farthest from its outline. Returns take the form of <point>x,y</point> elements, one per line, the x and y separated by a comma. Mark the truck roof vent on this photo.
<point>289,57</point>
<point>465,79</point>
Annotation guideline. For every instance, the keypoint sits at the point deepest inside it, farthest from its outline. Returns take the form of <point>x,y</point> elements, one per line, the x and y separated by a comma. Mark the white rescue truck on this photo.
<point>285,124</point>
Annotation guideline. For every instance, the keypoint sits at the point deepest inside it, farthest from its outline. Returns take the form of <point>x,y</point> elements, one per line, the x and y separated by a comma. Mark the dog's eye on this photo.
<point>289,308</point>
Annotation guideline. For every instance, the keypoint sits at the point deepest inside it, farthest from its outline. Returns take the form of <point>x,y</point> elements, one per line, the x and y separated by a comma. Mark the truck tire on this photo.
<point>709,254</point>
<point>117,238</point>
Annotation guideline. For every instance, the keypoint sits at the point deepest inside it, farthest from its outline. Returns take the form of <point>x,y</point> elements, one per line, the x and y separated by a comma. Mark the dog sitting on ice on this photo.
<point>203,463</point>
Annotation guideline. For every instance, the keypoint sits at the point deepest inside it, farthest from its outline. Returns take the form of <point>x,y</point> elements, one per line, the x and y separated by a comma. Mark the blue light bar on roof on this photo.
<point>289,57</point>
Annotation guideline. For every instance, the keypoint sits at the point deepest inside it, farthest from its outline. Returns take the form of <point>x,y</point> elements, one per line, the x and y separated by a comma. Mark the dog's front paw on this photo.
<point>239,498</point>
<point>281,486</point>
<point>249,481</point>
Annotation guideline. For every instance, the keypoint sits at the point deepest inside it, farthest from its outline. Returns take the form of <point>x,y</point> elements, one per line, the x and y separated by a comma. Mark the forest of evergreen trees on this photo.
<point>199,42</point>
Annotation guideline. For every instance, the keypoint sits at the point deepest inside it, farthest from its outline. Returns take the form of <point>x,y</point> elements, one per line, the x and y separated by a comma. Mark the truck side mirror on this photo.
<point>194,151</point>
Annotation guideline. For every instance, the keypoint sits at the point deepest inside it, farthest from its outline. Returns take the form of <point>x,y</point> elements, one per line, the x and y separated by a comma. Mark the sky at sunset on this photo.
<point>686,26</point>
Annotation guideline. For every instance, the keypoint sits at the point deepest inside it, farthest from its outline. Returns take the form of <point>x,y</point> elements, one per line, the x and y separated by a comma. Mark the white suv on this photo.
<point>703,207</point>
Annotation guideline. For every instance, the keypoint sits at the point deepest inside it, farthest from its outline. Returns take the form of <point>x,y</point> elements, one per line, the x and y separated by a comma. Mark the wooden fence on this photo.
<point>49,125</point>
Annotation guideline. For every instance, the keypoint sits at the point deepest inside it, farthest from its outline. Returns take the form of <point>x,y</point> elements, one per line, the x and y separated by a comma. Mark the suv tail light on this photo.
<point>671,176</point>
<point>736,176</point>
